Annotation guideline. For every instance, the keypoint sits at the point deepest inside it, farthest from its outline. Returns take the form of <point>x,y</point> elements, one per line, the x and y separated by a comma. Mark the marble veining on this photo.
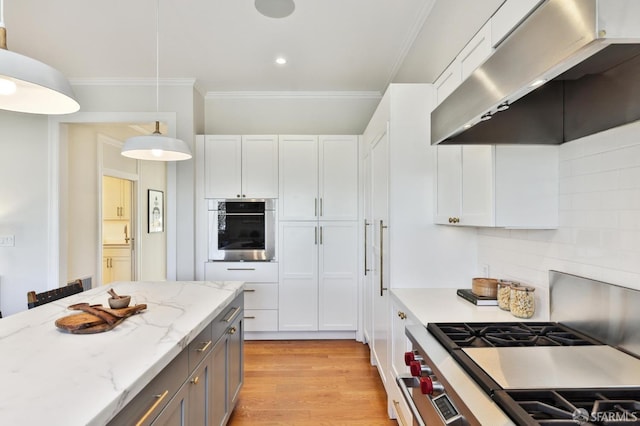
<point>55,378</point>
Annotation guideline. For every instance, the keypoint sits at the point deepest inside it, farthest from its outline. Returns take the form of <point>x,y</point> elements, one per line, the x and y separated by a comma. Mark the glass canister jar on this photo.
<point>522,301</point>
<point>504,293</point>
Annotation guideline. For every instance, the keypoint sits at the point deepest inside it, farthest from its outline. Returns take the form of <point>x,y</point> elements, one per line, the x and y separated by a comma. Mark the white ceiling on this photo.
<point>226,45</point>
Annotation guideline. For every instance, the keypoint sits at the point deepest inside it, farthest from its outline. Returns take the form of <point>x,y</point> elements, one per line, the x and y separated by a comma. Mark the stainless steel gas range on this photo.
<point>581,368</point>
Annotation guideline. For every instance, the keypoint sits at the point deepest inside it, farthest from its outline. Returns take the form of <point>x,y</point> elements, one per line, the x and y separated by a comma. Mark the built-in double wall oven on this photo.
<point>242,230</point>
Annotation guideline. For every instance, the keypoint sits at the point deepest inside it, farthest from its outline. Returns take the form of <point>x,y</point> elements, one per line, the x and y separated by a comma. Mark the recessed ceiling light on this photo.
<point>275,8</point>
<point>281,60</point>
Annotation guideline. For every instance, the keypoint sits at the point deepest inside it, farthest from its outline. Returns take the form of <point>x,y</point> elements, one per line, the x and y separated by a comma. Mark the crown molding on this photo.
<point>132,82</point>
<point>354,95</point>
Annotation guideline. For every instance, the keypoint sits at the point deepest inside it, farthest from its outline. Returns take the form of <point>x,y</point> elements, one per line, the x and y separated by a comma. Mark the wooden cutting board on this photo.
<point>85,323</point>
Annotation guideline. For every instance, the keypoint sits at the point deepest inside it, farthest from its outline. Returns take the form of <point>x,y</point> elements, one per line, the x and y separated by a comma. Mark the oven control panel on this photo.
<point>433,391</point>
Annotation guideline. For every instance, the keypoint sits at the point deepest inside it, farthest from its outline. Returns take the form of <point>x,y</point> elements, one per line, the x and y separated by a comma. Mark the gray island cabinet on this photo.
<point>179,362</point>
<point>201,385</point>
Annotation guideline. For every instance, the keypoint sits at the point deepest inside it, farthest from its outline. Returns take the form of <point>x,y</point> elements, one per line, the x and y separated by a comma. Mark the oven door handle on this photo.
<point>401,380</point>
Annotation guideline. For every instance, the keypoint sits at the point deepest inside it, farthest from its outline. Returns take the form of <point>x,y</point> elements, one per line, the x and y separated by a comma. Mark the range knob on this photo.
<point>418,369</point>
<point>410,357</point>
<point>429,387</point>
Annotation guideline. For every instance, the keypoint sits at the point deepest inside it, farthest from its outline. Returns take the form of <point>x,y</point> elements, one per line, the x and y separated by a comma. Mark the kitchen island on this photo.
<point>55,378</point>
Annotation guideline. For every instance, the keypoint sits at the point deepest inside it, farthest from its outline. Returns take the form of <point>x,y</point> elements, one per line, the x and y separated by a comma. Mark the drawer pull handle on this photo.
<point>232,330</point>
<point>159,399</point>
<point>195,380</point>
<point>205,347</point>
<point>249,290</point>
<point>234,312</point>
<point>241,269</point>
<point>251,317</point>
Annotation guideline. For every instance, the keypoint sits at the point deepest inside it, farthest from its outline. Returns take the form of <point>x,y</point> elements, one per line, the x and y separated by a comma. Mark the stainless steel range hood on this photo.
<point>587,51</point>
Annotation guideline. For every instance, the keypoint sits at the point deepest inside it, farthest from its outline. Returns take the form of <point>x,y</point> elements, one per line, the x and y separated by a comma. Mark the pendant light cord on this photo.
<point>157,56</point>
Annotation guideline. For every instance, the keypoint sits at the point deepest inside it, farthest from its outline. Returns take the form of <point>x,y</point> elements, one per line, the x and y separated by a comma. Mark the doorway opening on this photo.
<point>118,229</point>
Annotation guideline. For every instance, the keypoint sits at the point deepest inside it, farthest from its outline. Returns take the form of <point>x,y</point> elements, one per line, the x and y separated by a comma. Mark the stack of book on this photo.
<point>470,296</point>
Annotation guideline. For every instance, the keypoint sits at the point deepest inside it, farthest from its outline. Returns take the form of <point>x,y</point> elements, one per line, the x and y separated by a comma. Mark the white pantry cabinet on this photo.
<point>511,186</point>
<point>241,166</point>
<point>116,198</point>
<point>318,276</point>
<point>318,177</point>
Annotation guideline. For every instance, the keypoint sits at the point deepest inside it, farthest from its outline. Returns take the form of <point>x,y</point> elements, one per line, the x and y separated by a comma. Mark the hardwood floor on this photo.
<point>302,382</point>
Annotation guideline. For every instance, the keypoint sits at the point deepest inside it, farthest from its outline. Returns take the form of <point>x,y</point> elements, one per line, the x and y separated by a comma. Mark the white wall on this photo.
<point>23,208</point>
<point>599,233</point>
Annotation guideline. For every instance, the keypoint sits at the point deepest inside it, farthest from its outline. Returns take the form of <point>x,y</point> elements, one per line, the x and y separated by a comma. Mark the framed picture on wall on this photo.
<point>156,210</point>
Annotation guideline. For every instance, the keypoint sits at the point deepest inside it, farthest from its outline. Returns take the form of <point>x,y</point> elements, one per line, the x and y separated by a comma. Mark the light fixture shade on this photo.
<point>156,147</point>
<point>39,88</point>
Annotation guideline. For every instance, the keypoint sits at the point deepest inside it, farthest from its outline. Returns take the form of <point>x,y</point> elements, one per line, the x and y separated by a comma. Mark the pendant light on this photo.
<point>155,146</point>
<point>28,85</point>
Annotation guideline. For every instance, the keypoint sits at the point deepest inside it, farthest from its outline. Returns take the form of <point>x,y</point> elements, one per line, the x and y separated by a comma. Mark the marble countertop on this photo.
<point>56,378</point>
<point>444,305</point>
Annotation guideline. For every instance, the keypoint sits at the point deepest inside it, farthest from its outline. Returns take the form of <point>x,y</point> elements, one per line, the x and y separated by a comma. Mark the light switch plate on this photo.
<point>7,240</point>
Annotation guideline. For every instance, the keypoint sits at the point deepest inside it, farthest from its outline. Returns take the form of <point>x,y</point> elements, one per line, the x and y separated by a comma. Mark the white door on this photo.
<point>298,292</point>
<point>380,252</point>
<point>367,304</point>
<point>298,177</point>
<point>338,183</point>
<point>448,183</point>
<point>338,275</point>
<point>260,166</point>
<point>223,166</point>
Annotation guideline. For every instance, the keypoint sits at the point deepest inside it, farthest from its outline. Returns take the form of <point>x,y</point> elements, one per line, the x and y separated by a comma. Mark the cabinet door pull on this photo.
<point>321,235</point>
<point>241,269</point>
<point>232,330</point>
<point>365,246</point>
<point>316,235</point>
<point>249,290</point>
<point>195,380</point>
<point>382,287</point>
<point>204,347</point>
<point>146,415</point>
<point>321,209</point>
<point>232,314</point>
<point>251,317</point>
<point>315,207</point>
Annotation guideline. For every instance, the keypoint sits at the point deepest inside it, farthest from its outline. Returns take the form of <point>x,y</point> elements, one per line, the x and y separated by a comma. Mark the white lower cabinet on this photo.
<point>318,276</point>
<point>260,290</point>
<point>400,344</point>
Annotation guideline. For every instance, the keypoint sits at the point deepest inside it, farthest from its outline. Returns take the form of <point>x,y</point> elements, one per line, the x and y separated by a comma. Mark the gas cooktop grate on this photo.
<point>507,334</point>
<point>571,407</point>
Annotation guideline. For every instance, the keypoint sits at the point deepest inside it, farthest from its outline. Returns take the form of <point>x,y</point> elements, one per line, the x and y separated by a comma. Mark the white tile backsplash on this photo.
<point>599,232</point>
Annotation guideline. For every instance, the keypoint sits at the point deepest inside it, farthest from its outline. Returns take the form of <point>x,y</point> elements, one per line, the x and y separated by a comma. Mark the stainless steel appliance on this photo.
<point>242,230</point>
<point>531,373</point>
<point>587,55</point>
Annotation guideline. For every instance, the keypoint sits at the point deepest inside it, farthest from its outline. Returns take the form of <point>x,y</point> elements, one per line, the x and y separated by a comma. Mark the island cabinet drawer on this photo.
<point>250,272</point>
<point>260,296</point>
<point>225,318</point>
<point>200,347</point>
<point>260,320</point>
<point>151,400</point>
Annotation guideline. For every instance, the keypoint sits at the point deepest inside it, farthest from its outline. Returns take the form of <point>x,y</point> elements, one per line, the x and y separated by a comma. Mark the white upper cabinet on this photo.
<point>241,166</point>
<point>497,186</point>
<point>298,177</point>
<point>482,45</point>
<point>509,16</point>
<point>448,81</point>
<point>475,52</point>
<point>338,185</point>
<point>318,177</point>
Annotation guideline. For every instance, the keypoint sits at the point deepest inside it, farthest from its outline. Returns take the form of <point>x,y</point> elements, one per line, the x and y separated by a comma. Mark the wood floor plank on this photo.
<point>310,382</point>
